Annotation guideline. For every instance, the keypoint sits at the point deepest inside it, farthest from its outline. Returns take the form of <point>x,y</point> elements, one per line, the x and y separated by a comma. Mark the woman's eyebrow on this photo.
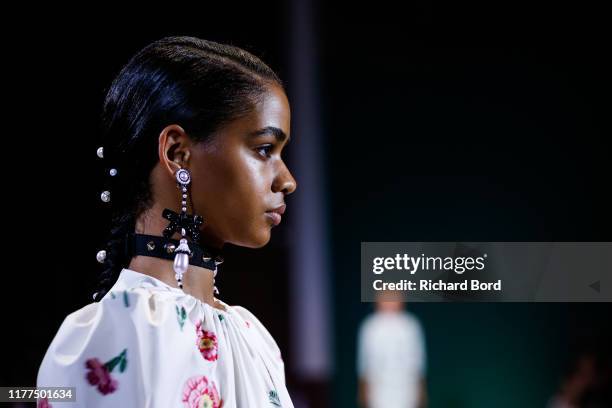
<point>276,132</point>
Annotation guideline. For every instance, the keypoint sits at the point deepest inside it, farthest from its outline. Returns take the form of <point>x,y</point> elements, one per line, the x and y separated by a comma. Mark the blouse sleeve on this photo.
<point>270,348</point>
<point>96,350</point>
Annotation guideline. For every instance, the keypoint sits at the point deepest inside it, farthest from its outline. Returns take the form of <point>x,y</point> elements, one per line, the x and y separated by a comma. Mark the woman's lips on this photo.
<point>274,216</point>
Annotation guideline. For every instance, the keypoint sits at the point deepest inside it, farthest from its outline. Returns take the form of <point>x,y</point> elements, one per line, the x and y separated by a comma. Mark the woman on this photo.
<point>193,133</point>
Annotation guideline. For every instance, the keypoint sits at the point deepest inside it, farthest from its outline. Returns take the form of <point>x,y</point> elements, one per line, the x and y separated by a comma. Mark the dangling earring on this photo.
<point>181,260</point>
<point>187,225</point>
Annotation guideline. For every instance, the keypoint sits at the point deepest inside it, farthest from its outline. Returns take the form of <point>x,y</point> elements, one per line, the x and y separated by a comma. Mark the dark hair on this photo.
<point>197,84</point>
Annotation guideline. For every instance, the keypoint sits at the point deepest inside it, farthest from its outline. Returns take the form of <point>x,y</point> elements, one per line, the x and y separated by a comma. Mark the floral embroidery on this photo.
<point>220,317</point>
<point>99,374</point>
<point>206,342</point>
<point>126,300</point>
<point>199,392</point>
<point>274,400</point>
<point>43,403</point>
<point>247,323</point>
<point>181,315</point>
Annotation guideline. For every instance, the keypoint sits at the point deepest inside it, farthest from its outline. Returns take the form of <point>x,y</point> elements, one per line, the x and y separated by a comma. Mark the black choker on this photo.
<point>160,247</point>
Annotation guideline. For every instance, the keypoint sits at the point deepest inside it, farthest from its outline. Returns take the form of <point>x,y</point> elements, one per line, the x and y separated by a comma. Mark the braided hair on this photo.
<point>198,84</point>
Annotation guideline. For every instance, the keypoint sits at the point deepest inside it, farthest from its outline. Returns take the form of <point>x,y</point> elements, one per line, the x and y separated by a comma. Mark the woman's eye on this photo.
<point>266,149</point>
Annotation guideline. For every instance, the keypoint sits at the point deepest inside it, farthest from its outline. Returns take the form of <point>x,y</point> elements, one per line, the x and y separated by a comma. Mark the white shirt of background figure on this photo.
<point>391,359</point>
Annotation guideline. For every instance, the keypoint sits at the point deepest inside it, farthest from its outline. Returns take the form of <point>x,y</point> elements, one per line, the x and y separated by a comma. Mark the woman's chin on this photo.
<point>257,240</point>
<point>263,238</point>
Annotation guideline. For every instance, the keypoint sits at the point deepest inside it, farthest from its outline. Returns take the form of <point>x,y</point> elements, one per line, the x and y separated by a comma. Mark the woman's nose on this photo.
<point>285,182</point>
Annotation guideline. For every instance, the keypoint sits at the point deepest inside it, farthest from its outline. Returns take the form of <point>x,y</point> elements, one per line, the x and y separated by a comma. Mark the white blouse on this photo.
<point>147,344</point>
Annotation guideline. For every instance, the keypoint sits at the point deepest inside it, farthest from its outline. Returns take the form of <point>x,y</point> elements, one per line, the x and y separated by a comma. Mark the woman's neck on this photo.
<point>197,281</point>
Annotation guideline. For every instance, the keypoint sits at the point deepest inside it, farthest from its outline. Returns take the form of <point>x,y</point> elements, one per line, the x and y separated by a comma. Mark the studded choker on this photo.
<point>164,248</point>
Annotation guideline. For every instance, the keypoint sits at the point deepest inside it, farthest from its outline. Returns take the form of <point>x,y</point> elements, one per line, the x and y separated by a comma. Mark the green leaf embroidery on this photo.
<point>113,295</point>
<point>126,300</point>
<point>220,317</point>
<point>122,365</point>
<point>110,365</point>
<point>181,315</point>
<point>121,359</point>
<point>274,400</point>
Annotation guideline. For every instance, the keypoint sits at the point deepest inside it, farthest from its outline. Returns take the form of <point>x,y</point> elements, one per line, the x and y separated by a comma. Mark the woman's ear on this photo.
<point>174,148</point>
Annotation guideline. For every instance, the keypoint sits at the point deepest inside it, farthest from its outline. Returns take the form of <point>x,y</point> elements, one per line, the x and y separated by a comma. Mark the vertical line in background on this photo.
<point>311,312</point>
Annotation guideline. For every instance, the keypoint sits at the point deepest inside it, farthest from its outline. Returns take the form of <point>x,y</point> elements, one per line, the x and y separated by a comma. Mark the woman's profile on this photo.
<point>192,136</point>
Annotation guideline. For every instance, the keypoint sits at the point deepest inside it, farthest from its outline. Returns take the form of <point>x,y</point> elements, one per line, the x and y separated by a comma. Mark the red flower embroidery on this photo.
<point>206,342</point>
<point>199,392</point>
<point>98,375</point>
<point>43,403</point>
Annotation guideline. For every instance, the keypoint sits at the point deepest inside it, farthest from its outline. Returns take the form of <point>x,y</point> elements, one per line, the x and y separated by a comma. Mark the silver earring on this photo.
<point>182,253</point>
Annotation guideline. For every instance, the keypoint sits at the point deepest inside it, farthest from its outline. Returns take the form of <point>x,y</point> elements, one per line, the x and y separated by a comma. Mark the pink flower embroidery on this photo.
<point>43,403</point>
<point>206,342</point>
<point>199,392</point>
<point>98,375</point>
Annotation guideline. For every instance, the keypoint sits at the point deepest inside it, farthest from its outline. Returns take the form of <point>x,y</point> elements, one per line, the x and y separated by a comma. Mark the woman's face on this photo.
<point>240,176</point>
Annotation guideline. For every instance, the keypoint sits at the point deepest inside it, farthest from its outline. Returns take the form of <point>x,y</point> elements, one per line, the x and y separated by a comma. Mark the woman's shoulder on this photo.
<point>113,321</point>
<point>253,323</point>
<point>120,304</point>
<point>94,349</point>
<point>94,322</point>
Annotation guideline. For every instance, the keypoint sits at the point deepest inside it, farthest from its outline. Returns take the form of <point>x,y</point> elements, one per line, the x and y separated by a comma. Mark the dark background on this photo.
<point>470,123</point>
<point>441,123</point>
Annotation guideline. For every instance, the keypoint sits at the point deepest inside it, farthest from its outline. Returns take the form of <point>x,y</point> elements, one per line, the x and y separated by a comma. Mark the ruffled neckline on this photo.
<point>129,278</point>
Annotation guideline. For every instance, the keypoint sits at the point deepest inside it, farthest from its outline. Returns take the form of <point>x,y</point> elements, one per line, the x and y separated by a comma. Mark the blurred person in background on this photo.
<point>391,357</point>
<point>586,383</point>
